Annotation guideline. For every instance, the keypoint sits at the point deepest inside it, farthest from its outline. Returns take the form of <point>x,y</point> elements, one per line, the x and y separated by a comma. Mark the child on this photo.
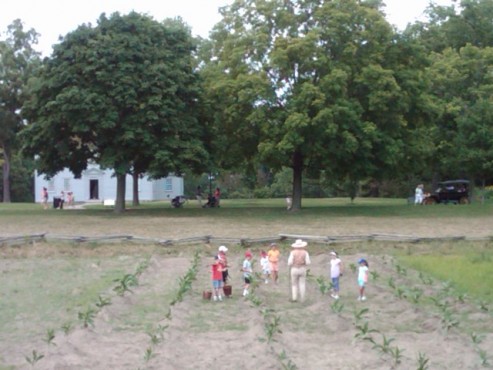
<point>273,256</point>
<point>247,272</point>
<point>362,278</point>
<point>264,263</point>
<point>336,270</point>
<point>217,280</point>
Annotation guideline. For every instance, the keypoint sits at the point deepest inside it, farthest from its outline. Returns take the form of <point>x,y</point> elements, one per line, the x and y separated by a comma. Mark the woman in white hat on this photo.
<point>298,260</point>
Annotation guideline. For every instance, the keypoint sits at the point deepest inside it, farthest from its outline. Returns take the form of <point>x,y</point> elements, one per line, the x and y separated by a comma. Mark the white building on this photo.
<point>96,184</point>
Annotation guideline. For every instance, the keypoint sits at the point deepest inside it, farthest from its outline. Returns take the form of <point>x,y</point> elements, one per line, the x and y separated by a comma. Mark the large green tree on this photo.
<point>309,85</point>
<point>18,59</point>
<point>122,94</point>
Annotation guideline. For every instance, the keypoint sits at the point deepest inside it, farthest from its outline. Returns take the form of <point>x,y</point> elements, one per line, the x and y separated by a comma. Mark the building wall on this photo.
<point>104,186</point>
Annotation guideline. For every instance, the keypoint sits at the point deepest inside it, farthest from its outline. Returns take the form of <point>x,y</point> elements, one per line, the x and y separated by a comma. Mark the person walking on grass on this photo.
<point>217,280</point>
<point>44,197</point>
<point>363,272</point>
<point>336,270</point>
<point>298,260</point>
<point>247,273</point>
<point>273,255</point>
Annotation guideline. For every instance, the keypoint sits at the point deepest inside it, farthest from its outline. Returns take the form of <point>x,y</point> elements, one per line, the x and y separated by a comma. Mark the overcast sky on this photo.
<point>52,18</point>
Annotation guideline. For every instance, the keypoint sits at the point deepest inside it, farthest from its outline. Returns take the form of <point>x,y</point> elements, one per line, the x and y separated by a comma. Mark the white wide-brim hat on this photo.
<point>222,248</point>
<point>299,244</point>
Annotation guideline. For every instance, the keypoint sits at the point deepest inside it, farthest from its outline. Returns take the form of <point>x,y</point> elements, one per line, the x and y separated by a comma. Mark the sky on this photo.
<point>52,18</point>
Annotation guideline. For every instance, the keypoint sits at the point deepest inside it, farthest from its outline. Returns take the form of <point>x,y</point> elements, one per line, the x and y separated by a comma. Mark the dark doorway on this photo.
<point>93,189</point>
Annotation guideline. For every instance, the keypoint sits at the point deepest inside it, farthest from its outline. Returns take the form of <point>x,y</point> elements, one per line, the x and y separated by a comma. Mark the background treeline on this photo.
<point>301,98</point>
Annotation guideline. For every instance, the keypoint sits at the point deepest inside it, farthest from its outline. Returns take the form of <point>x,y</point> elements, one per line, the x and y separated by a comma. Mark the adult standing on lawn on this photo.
<point>298,260</point>
<point>418,194</point>
<point>44,197</point>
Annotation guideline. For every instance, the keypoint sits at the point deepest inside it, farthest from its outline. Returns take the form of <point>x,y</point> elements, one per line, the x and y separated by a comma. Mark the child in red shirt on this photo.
<point>217,280</point>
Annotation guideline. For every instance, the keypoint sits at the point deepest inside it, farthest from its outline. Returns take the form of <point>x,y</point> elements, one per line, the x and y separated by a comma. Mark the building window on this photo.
<point>168,184</point>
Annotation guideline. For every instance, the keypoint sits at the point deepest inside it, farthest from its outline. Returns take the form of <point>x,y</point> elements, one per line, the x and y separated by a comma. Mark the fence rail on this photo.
<point>331,239</point>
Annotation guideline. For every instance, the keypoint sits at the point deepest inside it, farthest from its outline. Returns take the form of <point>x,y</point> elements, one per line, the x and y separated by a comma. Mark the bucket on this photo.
<point>207,294</point>
<point>227,290</point>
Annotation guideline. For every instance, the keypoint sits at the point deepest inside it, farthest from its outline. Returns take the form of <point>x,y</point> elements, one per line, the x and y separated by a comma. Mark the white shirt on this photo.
<point>335,267</point>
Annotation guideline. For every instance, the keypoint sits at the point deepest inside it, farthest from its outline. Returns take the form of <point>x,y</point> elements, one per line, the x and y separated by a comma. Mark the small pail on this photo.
<point>227,290</point>
<point>207,294</point>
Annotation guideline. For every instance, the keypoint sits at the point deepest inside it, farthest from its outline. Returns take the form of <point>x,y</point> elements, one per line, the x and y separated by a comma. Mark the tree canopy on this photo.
<point>122,94</point>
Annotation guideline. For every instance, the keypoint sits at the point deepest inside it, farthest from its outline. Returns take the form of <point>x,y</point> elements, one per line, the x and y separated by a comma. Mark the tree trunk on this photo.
<point>120,193</point>
<point>6,176</point>
<point>135,190</point>
<point>297,178</point>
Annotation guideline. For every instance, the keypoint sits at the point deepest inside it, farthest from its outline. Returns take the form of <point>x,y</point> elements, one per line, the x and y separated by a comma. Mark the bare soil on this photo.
<point>234,334</point>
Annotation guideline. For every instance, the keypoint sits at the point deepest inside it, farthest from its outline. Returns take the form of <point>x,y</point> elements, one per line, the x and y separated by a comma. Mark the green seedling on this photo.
<point>272,328</point>
<point>461,297</point>
<point>358,315</point>
<point>102,301</point>
<point>384,347</point>
<point>374,275</point>
<point>415,295</point>
<point>148,354</point>
<point>477,338</point>
<point>254,299</point>
<point>483,306</point>
<point>124,284</point>
<point>484,358</point>
<point>34,358</point>
<point>391,282</point>
<point>50,335</point>
<point>422,361</point>
<point>337,306</point>
<point>364,331</point>
<point>290,365</point>
<point>353,267</point>
<point>323,285</point>
<point>67,328</point>
<point>87,317</point>
<point>142,267</point>
<point>448,321</point>
<point>400,292</point>
<point>425,279</point>
<point>396,354</point>
<point>401,270</point>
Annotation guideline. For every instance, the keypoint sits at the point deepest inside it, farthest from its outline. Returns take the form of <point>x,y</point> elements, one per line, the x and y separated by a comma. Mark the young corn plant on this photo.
<point>448,321</point>
<point>401,270</point>
<point>142,267</point>
<point>415,295</point>
<point>483,306</point>
<point>359,314</point>
<point>384,347</point>
<point>477,338</point>
<point>102,301</point>
<point>422,361</point>
<point>483,355</point>
<point>391,282</point>
<point>124,284</point>
<point>425,279</point>
<point>374,275</point>
<point>35,357</point>
<point>396,354</point>
<point>272,328</point>
<point>337,306</point>
<point>353,267</point>
<point>87,317</point>
<point>148,354</point>
<point>286,363</point>
<point>50,336</point>
<point>323,285</point>
<point>67,328</point>
<point>400,292</point>
<point>364,332</point>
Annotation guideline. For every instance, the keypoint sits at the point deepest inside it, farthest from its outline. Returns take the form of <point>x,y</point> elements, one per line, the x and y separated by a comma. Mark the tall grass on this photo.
<point>470,273</point>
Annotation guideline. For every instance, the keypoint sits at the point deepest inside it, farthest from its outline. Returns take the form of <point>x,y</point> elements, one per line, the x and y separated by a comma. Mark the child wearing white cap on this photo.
<point>336,270</point>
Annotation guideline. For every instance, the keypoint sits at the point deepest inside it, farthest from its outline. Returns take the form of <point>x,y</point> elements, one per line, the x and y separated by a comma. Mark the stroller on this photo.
<point>178,201</point>
<point>211,202</point>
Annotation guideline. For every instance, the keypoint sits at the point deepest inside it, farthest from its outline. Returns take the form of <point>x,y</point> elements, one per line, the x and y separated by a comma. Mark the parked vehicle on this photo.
<point>451,191</point>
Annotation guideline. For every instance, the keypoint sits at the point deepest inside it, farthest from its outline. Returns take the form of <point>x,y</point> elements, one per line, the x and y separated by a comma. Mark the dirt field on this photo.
<point>241,333</point>
<point>408,321</point>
